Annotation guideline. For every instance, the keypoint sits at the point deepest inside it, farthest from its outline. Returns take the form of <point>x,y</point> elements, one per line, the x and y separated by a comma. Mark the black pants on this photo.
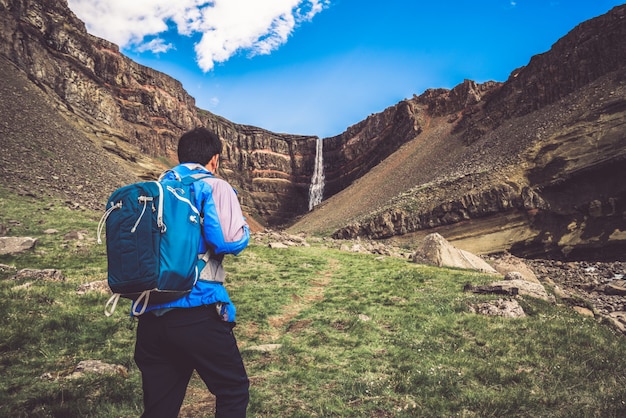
<point>170,347</point>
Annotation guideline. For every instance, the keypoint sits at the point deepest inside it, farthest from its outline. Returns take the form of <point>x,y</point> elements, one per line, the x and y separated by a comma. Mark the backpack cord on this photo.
<point>113,302</point>
<point>144,295</point>
<point>116,297</point>
<point>104,219</point>
<point>145,200</point>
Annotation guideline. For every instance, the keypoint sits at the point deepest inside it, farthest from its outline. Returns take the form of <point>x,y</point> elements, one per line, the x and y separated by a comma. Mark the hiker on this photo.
<point>195,332</point>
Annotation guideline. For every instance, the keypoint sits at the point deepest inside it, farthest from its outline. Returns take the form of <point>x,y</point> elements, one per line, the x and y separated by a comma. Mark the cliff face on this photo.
<point>351,155</point>
<point>129,104</point>
<point>589,51</point>
<point>89,75</point>
<point>271,171</point>
<point>356,151</point>
<point>43,156</point>
<point>534,165</point>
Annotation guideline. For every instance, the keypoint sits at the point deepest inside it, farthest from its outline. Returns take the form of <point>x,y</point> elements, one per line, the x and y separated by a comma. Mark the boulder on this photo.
<point>44,274</point>
<point>15,245</point>
<point>511,264</point>
<point>263,348</point>
<point>535,290</point>
<point>617,288</point>
<point>618,319</point>
<point>97,367</point>
<point>435,250</point>
<point>6,267</point>
<point>500,307</point>
<point>584,311</point>
<point>100,286</point>
<point>513,287</point>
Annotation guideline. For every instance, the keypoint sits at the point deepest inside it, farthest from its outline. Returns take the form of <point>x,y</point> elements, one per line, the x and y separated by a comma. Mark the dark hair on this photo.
<point>198,146</point>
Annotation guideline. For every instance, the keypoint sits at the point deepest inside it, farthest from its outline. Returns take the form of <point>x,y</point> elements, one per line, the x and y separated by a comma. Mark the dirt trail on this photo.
<point>199,402</point>
<point>314,293</point>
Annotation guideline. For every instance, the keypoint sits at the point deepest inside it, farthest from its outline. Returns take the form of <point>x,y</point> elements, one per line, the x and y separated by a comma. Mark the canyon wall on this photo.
<point>130,104</point>
<point>546,147</point>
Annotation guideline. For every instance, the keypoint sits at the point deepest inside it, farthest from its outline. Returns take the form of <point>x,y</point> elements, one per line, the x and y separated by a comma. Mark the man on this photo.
<point>195,332</point>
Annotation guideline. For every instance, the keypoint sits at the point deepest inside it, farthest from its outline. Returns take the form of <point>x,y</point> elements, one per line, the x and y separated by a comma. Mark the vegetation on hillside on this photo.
<point>323,333</point>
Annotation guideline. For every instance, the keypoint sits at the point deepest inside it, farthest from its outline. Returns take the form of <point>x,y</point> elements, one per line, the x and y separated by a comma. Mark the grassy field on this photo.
<point>357,336</point>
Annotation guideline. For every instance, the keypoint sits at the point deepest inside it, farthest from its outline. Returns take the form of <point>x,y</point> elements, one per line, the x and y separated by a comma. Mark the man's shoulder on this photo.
<point>217,182</point>
<point>219,186</point>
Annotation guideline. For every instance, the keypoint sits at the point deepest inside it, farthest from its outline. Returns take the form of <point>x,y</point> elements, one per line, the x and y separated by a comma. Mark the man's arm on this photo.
<point>225,228</point>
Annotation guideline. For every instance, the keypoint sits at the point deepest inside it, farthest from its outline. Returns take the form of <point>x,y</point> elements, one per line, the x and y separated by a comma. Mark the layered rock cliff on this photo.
<point>534,165</point>
<point>271,171</point>
<point>130,104</point>
<point>362,146</point>
<point>90,76</point>
<point>139,112</point>
<point>531,165</point>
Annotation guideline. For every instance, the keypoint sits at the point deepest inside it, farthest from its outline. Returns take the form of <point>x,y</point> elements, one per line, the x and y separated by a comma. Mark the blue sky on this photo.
<point>316,67</point>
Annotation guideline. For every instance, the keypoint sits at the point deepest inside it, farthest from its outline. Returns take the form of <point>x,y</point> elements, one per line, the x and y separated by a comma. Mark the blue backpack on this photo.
<point>153,232</point>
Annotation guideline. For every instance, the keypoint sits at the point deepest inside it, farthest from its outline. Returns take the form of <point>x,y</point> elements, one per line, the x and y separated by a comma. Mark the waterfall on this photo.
<point>316,189</point>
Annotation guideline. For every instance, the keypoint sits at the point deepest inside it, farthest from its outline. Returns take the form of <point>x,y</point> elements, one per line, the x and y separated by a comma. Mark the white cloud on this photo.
<point>156,46</point>
<point>226,26</point>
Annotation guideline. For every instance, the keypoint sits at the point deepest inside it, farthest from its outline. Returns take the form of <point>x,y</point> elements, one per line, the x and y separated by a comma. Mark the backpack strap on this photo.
<point>166,172</point>
<point>186,179</point>
<point>192,178</point>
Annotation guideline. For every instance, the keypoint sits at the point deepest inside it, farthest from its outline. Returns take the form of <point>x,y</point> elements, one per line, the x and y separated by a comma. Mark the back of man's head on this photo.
<point>198,146</point>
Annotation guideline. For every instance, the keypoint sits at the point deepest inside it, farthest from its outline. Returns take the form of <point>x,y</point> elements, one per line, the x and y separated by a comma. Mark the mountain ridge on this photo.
<point>492,165</point>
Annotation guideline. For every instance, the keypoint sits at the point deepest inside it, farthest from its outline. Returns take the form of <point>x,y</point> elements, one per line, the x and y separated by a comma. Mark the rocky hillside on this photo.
<point>44,155</point>
<point>533,165</point>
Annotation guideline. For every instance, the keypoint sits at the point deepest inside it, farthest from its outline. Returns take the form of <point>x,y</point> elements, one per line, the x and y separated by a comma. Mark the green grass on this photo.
<point>360,335</point>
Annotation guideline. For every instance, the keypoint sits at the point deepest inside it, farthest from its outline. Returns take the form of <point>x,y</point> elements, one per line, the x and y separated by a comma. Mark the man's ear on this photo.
<point>213,163</point>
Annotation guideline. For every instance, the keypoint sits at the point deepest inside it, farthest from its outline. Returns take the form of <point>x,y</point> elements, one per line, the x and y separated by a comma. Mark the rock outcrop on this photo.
<point>589,51</point>
<point>271,171</point>
<point>90,77</point>
<point>361,147</point>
